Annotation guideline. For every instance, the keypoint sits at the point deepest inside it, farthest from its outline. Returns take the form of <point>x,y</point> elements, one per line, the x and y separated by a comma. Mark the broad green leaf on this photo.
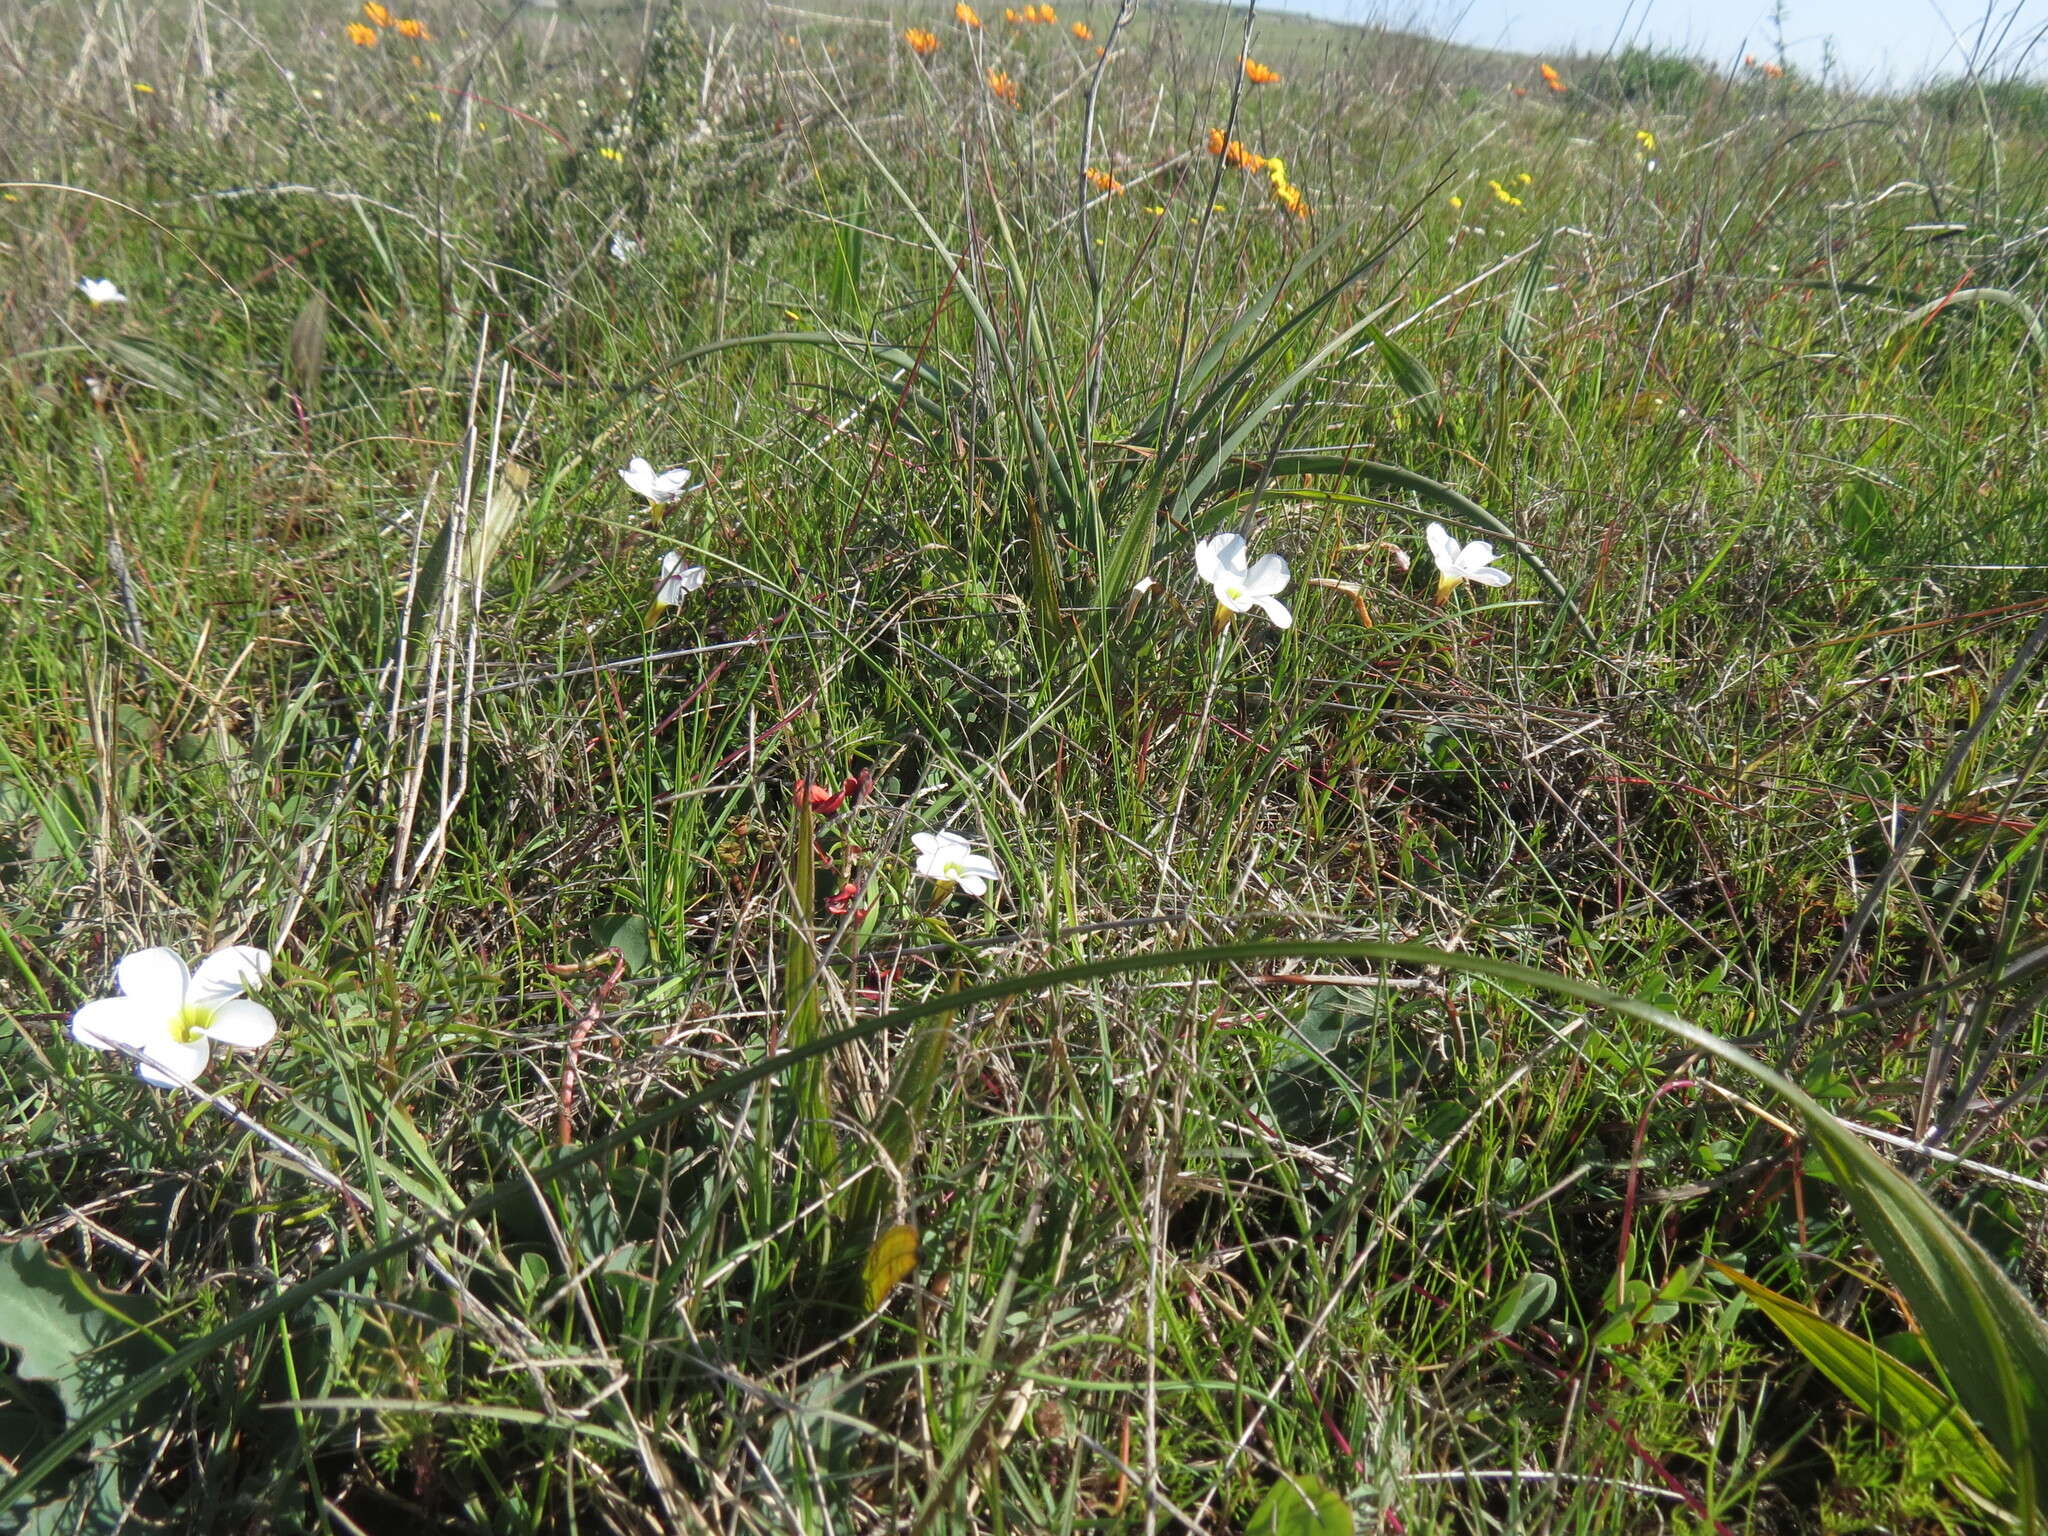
<point>1301,1505</point>
<point>65,1330</point>
<point>1530,1299</point>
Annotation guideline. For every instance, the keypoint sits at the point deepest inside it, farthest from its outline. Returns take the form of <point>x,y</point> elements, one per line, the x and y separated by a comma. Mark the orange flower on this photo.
<point>1236,154</point>
<point>1258,74</point>
<point>1010,15</point>
<point>1047,14</point>
<point>1102,181</point>
<point>362,36</point>
<point>1215,141</point>
<point>922,43</point>
<point>1552,79</point>
<point>416,30</point>
<point>1002,87</point>
<point>376,14</point>
<point>1773,71</point>
<point>1290,198</point>
<point>964,14</point>
<point>1080,31</point>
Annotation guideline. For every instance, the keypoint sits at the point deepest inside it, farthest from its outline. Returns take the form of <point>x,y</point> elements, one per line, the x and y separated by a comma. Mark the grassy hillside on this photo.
<point>622,1160</point>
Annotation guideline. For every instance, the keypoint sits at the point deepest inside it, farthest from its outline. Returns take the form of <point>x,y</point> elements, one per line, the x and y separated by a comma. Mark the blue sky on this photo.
<point>1875,41</point>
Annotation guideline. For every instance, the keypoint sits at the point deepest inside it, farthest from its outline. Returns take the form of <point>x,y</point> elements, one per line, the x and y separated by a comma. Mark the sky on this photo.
<point>1875,42</point>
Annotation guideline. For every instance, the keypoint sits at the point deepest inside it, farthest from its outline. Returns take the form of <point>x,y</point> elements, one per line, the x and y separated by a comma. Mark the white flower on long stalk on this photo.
<point>659,487</point>
<point>1220,559</point>
<point>172,1018</point>
<point>677,578</point>
<point>950,859</point>
<point>100,290</point>
<point>1457,563</point>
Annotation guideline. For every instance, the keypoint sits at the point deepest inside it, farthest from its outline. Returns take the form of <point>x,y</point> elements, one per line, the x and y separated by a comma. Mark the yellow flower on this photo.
<point>1258,74</point>
<point>1002,87</point>
<point>611,154</point>
<point>376,14</point>
<point>362,36</point>
<point>145,87</point>
<point>416,30</point>
<point>964,14</point>
<point>433,117</point>
<point>1102,181</point>
<point>1457,201</point>
<point>1647,140</point>
<point>1504,195</point>
<point>1523,178</point>
<point>922,43</point>
<point>1081,32</point>
<point>1156,211</point>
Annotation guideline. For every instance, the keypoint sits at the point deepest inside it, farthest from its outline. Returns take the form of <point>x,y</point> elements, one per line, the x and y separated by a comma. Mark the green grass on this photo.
<point>336,645</point>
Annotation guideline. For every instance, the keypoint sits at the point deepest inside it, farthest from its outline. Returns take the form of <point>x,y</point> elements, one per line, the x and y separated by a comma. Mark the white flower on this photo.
<point>676,579</point>
<point>100,290</point>
<point>1220,560</point>
<point>1142,585</point>
<point>949,857</point>
<point>1457,562</point>
<point>661,489</point>
<point>624,249</point>
<point>173,1017</point>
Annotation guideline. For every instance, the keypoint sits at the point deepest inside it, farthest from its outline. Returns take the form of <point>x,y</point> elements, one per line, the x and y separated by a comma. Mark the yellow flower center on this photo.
<point>190,1023</point>
<point>1230,592</point>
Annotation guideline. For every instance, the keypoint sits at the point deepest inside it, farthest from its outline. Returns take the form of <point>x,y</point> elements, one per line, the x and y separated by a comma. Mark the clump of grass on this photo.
<point>699,1162</point>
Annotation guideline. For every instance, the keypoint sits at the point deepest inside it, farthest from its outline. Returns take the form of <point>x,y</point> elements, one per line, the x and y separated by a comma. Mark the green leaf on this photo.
<point>1900,1400</point>
<point>628,935</point>
<point>1301,1506</point>
<point>65,1330</point>
<point>1530,1299</point>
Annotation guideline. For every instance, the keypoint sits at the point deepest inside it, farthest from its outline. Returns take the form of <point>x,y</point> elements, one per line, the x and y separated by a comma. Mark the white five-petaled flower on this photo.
<point>660,488</point>
<point>1220,559</point>
<point>1457,562</point>
<point>950,858</point>
<point>677,578</point>
<point>101,290</point>
<point>173,1017</point>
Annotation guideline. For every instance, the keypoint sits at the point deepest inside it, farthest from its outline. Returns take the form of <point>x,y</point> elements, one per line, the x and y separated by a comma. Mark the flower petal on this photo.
<point>1491,576</point>
<point>925,842</point>
<point>1267,577</point>
<point>970,882</point>
<point>1276,611</point>
<point>669,562</point>
<point>242,1024</point>
<point>156,976</point>
<point>639,477</point>
<point>173,1063</point>
<point>1221,554</point>
<point>227,973</point>
<point>113,1022</point>
<point>1442,545</point>
<point>1476,554</point>
<point>977,867</point>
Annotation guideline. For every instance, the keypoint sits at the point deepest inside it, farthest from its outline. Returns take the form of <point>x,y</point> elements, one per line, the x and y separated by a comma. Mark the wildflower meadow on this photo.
<point>1074,768</point>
